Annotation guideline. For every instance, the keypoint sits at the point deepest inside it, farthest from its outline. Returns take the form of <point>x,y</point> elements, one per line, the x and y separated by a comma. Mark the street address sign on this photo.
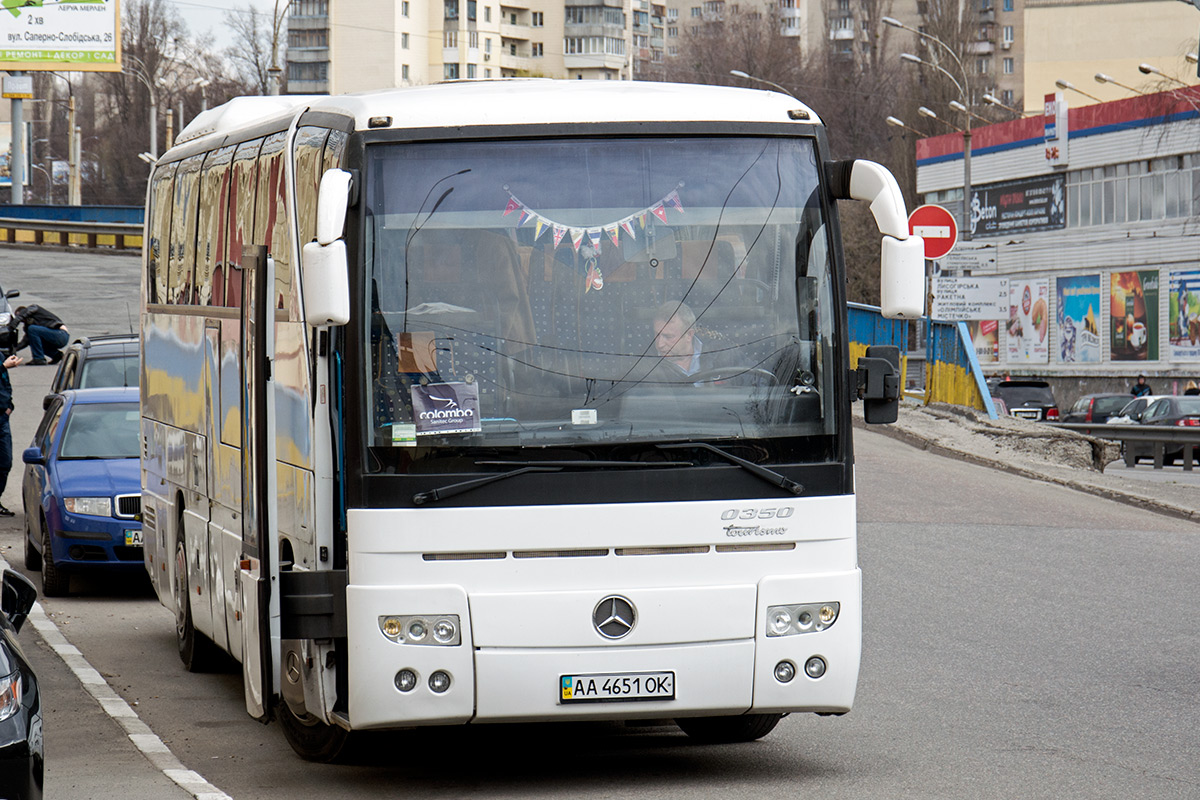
<point>937,226</point>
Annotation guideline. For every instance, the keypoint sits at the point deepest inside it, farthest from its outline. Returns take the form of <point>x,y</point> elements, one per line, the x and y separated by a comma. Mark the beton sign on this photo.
<point>970,298</point>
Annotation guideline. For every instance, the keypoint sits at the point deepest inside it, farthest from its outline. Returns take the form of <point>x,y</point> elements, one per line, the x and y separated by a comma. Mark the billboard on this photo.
<point>1078,319</point>
<point>1133,316</point>
<point>74,35</point>
<point>6,152</point>
<point>1022,206</point>
<point>1028,321</point>
<point>1184,325</point>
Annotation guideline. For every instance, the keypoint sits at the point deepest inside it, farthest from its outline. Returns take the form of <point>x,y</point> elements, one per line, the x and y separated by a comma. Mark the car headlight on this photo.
<point>10,695</point>
<point>94,506</point>
<point>5,318</point>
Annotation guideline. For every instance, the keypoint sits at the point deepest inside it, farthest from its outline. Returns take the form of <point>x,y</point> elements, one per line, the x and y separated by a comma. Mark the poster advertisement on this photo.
<point>1078,319</point>
<point>1184,326</point>
<point>446,408</point>
<point>1133,316</point>
<point>985,340</point>
<point>76,35</point>
<point>1028,321</point>
<point>6,153</point>
<point>1021,206</point>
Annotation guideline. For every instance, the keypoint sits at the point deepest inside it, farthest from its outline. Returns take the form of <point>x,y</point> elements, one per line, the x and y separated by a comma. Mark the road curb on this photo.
<point>1131,498</point>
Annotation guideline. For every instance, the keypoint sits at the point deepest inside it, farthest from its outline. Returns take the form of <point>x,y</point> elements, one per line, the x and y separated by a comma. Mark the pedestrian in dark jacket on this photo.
<point>6,408</point>
<point>1140,389</point>
<point>44,332</point>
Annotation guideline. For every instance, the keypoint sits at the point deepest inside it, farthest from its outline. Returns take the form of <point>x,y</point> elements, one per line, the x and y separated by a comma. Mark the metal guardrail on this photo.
<point>1160,436</point>
<point>62,233</point>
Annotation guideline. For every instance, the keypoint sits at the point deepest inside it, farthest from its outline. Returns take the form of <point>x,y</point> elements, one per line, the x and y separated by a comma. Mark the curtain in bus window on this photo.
<point>241,216</point>
<point>271,219</point>
<point>210,241</point>
<point>157,256</point>
<point>183,231</point>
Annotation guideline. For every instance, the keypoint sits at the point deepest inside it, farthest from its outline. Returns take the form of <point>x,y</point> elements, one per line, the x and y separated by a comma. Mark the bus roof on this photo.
<point>515,102</point>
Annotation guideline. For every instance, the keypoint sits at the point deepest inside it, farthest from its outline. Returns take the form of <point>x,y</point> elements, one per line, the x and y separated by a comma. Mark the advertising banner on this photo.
<point>1028,321</point>
<point>75,35</point>
<point>970,298</point>
<point>1024,206</point>
<point>1133,316</point>
<point>1078,319</point>
<point>1184,326</point>
<point>985,340</point>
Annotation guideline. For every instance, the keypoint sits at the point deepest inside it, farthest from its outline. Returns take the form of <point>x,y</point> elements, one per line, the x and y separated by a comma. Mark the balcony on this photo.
<point>841,34</point>
<point>984,48</point>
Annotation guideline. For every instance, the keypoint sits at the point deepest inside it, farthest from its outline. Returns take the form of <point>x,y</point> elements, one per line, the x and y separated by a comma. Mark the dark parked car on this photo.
<point>1096,407</point>
<point>1027,399</point>
<point>22,758</point>
<point>82,490</point>
<point>96,361</point>
<point>8,336</point>
<point>1172,412</point>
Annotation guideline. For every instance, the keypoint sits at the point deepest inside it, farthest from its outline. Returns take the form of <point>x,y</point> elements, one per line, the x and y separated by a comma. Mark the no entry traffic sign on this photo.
<point>937,226</point>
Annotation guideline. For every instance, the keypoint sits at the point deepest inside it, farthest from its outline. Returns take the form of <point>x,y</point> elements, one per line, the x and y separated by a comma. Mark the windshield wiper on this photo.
<point>581,464</point>
<point>769,475</point>
<point>421,498</point>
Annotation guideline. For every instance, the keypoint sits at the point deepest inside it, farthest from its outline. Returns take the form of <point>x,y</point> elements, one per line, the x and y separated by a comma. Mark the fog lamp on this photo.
<point>416,630</point>
<point>814,667</point>
<point>406,680</point>
<point>439,682</point>
<point>391,627</point>
<point>801,618</point>
<point>444,630</point>
<point>785,671</point>
<point>781,621</point>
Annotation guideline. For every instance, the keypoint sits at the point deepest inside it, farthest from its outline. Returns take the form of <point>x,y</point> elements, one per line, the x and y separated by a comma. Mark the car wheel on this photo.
<point>312,739</point>
<point>729,730</point>
<point>55,581</point>
<point>33,559</point>
<point>196,651</point>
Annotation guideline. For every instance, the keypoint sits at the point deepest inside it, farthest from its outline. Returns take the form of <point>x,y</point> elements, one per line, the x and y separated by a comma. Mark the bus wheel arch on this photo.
<point>196,651</point>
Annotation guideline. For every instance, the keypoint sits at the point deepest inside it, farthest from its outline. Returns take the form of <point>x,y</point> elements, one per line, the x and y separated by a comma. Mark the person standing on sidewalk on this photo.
<point>44,332</point>
<point>1140,389</point>
<point>6,409</point>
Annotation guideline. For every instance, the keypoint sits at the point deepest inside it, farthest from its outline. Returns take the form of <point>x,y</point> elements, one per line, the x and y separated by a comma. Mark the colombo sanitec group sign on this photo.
<point>1020,206</point>
<point>75,35</point>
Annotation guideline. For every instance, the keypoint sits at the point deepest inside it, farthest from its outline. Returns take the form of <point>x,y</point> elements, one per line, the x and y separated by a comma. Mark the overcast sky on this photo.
<point>203,16</point>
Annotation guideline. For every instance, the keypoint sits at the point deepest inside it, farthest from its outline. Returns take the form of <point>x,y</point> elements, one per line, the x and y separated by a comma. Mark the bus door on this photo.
<point>258,460</point>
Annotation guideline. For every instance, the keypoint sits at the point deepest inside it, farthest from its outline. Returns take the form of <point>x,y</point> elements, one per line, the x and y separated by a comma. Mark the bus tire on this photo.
<point>729,730</point>
<point>55,581</point>
<point>312,739</point>
<point>196,651</point>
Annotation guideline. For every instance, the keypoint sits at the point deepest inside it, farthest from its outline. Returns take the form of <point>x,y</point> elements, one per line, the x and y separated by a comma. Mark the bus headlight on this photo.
<point>431,629</point>
<point>806,618</point>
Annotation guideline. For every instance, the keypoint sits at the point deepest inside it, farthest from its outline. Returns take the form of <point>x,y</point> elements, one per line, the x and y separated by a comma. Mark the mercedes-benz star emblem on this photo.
<point>614,617</point>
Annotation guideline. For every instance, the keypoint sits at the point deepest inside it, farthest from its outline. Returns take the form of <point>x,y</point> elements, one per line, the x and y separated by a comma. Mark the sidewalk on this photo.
<point>1042,452</point>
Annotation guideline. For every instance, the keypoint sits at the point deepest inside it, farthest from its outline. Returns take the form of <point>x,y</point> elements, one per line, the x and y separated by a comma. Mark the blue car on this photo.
<point>82,490</point>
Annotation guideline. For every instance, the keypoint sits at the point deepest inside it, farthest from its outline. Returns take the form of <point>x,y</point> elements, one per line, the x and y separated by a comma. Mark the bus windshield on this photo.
<point>581,292</point>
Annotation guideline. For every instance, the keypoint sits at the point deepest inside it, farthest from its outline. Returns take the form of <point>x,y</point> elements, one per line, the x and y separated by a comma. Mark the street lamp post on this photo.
<point>74,149</point>
<point>964,91</point>
<point>1147,69</point>
<point>1102,78</point>
<point>738,73</point>
<point>1067,85</point>
<point>992,100</point>
<point>143,75</point>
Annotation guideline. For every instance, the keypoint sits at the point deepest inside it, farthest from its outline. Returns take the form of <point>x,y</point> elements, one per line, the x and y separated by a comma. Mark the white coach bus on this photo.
<point>511,401</point>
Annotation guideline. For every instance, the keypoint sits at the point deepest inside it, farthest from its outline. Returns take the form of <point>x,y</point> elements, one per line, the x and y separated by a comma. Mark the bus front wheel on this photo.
<point>729,730</point>
<point>312,739</point>
<point>196,651</point>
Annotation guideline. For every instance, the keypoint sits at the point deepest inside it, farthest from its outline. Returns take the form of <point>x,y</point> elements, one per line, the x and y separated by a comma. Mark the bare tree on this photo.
<point>258,42</point>
<point>747,40</point>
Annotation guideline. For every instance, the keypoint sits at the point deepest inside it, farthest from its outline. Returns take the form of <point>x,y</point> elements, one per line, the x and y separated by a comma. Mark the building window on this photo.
<point>672,14</point>
<point>536,49</point>
<point>696,12</point>
<point>985,5</point>
<point>404,41</point>
<point>471,71</point>
<point>300,38</point>
<point>317,71</point>
<point>471,10</point>
<point>487,45</point>
<point>450,39</point>
<point>473,40</point>
<point>537,19</point>
<point>487,72</point>
<point>404,9</point>
<point>450,72</point>
<point>451,9</point>
<point>672,32</point>
<point>983,65</point>
<point>1006,97</point>
<point>309,8</point>
<point>1008,66</point>
<point>512,48</point>
<point>487,13</point>
<point>404,71</point>
<point>1008,34</point>
<point>1008,5</point>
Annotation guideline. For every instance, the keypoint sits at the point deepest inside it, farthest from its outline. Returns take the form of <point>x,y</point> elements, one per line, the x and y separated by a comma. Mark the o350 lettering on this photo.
<point>757,513</point>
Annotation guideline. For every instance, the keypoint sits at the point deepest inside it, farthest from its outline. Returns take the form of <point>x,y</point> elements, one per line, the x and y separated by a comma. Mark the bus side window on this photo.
<point>271,218</point>
<point>157,255</point>
<point>183,231</point>
<point>241,216</point>
<point>210,240</point>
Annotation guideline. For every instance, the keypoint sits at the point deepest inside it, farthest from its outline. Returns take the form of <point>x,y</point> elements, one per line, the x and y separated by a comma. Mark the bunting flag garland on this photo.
<point>594,234</point>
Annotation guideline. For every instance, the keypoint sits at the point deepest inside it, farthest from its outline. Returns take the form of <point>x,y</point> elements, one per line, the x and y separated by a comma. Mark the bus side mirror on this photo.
<point>325,282</point>
<point>333,198</point>
<point>879,383</point>
<point>902,266</point>
<point>902,278</point>
<point>325,273</point>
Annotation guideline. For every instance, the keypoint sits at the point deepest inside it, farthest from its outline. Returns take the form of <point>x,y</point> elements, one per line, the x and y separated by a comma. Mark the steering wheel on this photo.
<point>727,373</point>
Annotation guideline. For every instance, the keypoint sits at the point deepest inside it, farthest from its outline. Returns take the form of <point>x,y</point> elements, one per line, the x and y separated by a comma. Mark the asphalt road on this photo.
<point>1021,640</point>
